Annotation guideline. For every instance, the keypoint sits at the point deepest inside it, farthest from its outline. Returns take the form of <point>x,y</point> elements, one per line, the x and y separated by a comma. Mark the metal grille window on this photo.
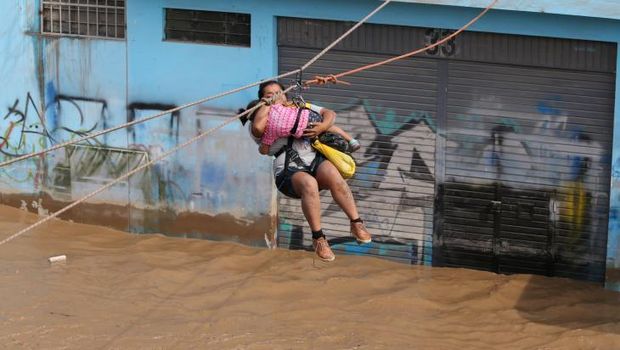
<point>87,18</point>
<point>208,27</point>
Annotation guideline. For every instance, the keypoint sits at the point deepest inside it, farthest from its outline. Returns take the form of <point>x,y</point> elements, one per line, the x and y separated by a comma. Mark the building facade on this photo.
<point>494,151</point>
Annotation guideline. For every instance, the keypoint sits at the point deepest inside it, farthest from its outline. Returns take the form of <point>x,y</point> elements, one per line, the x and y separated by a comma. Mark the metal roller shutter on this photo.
<point>527,170</point>
<point>393,117</point>
<point>491,152</point>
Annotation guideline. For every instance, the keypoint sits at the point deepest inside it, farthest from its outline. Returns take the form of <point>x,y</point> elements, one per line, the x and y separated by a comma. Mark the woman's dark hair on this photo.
<point>250,116</point>
<point>262,87</point>
<point>261,94</point>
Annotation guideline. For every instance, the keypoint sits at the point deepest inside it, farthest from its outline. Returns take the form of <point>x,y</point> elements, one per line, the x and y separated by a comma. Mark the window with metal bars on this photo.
<point>207,27</point>
<point>84,18</point>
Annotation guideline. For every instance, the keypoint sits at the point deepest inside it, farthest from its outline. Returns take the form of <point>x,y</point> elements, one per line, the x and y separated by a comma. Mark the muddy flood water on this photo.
<point>124,291</point>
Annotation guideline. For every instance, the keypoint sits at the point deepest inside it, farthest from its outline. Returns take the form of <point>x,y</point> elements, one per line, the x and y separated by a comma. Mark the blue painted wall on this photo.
<point>80,85</point>
<point>59,88</point>
<point>162,73</point>
<point>19,90</point>
<point>613,239</point>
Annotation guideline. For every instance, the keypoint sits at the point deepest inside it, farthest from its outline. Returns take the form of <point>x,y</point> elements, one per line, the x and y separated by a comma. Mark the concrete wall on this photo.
<point>57,89</point>
<point>19,90</point>
<point>206,178</point>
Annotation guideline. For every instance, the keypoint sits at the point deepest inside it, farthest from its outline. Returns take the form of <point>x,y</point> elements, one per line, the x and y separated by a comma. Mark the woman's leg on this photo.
<point>307,188</point>
<point>328,177</point>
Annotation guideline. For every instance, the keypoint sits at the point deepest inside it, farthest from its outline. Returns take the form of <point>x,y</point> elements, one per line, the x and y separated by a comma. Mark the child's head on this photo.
<point>269,88</point>
<point>249,116</point>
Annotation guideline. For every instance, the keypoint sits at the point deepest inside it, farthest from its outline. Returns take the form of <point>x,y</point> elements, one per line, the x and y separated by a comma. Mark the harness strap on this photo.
<point>292,132</point>
<point>294,128</point>
<point>289,145</point>
<point>277,154</point>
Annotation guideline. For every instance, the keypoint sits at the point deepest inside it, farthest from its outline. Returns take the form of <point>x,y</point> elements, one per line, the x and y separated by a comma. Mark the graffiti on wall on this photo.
<point>22,119</point>
<point>176,183</point>
<point>552,155</point>
<point>30,127</point>
<point>394,185</point>
<point>24,132</point>
<point>199,179</point>
<point>158,186</point>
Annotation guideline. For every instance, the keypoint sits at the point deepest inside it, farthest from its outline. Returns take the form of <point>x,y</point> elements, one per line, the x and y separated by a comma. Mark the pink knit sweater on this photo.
<point>280,122</point>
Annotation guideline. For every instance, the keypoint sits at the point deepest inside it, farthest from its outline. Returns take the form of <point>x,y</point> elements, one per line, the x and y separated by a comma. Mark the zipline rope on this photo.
<point>206,99</point>
<point>141,167</point>
<point>333,78</point>
<point>137,121</point>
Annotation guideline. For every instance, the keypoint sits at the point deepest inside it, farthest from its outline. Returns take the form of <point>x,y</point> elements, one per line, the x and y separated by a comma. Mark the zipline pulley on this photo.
<point>298,99</point>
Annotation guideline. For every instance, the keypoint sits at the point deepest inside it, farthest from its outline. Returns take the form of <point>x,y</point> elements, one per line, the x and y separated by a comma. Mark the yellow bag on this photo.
<point>342,161</point>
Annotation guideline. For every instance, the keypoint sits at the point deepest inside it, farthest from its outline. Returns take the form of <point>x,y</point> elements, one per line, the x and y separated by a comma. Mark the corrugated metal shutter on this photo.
<point>527,170</point>
<point>394,186</point>
<point>590,56</point>
<point>514,132</point>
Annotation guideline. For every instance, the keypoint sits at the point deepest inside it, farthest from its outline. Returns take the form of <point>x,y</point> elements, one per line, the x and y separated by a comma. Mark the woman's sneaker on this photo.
<point>358,230</point>
<point>322,249</point>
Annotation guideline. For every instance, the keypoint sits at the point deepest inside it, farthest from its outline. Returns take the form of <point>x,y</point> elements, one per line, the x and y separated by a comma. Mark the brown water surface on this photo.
<point>124,291</point>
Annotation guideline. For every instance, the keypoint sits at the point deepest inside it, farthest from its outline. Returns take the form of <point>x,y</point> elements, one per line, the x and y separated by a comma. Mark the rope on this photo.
<point>333,78</point>
<point>320,80</point>
<point>178,147</point>
<point>127,175</point>
<point>102,132</point>
<point>206,99</point>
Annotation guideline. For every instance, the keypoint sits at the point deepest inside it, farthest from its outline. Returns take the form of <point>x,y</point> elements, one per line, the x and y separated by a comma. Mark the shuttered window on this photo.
<point>84,18</point>
<point>208,27</point>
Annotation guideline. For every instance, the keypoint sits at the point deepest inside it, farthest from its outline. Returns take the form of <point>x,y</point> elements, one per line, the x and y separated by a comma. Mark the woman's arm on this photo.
<point>315,129</point>
<point>329,117</point>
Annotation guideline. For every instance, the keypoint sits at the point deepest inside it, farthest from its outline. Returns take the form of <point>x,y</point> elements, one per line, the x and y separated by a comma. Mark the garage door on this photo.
<point>393,116</point>
<point>490,152</point>
<point>527,170</point>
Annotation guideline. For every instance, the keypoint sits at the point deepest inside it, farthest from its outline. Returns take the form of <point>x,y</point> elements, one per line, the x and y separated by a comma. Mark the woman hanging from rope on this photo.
<point>307,172</point>
<point>281,116</point>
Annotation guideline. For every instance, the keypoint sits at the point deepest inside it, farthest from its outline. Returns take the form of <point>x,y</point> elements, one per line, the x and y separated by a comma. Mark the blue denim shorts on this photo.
<point>284,180</point>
